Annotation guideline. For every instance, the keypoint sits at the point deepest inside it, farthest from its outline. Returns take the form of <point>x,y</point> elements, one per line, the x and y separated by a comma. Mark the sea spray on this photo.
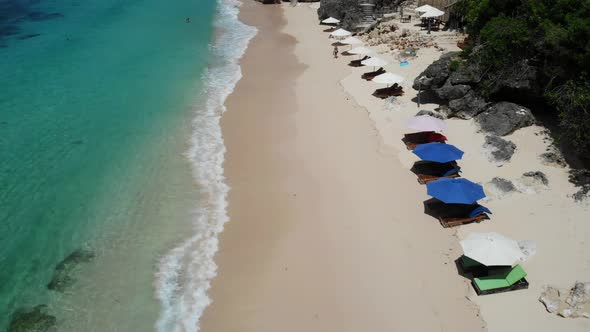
<point>185,273</point>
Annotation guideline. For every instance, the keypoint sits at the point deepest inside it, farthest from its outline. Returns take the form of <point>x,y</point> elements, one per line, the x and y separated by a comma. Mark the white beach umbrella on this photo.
<point>374,62</point>
<point>340,33</point>
<point>361,50</point>
<point>426,123</point>
<point>432,13</point>
<point>424,8</point>
<point>351,41</point>
<point>388,78</point>
<point>331,20</point>
<point>492,249</point>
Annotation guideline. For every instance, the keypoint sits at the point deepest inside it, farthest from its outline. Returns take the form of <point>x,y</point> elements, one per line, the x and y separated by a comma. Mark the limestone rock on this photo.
<point>537,176</point>
<point>499,150</point>
<point>435,75</point>
<point>465,74</point>
<point>504,118</point>
<point>468,106</point>
<point>551,299</point>
<point>449,91</point>
<point>431,113</point>
<point>36,320</point>
<point>499,187</point>
<point>553,158</point>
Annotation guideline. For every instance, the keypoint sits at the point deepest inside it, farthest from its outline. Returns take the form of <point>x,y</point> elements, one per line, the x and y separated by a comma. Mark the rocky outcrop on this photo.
<point>36,320</point>
<point>517,82</point>
<point>449,91</point>
<point>435,75</point>
<point>468,106</point>
<point>580,178</point>
<point>572,303</point>
<point>537,176</point>
<point>499,150</point>
<point>62,276</point>
<point>347,11</point>
<point>504,118</point>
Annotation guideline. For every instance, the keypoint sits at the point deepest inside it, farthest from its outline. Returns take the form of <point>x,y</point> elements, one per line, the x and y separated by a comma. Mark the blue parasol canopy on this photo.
<point>455,191</point>
<point>439,152</point>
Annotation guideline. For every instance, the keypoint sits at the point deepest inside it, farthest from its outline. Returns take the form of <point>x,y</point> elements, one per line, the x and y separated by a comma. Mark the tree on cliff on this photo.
<point>553,36</point>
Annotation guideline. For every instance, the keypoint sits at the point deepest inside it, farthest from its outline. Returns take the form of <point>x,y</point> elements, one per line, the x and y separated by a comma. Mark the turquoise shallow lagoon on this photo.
<point>96,110</point>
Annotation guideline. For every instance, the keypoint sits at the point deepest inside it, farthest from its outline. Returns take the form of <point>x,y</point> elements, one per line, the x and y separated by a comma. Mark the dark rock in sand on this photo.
<point>537,176</point>
<point>36,320</point>
<point>449,91</point>
<point>580,178</point>
<point>468,106</point>
<point>553,159</point>
<point>435,75</point>
<point>504,118</point>
<point>503,185</point>
<point>431,113</point>
<point>501,150</point>
<point>62,276</point>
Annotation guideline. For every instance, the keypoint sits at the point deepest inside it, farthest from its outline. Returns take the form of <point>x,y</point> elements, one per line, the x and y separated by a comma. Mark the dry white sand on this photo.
<point>327,232</point>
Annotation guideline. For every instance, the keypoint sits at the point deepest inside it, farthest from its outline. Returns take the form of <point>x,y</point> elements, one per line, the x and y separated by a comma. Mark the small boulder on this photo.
<point>431,113</point>
<point>36,320</point>
<point>467,106</point>
<point>550,299</point>
<point>499,150</point>
<point>450,92</point>
<point>553,159</point>
<point>499,187</point>
<point>537,176</point>
<point>504,118</point>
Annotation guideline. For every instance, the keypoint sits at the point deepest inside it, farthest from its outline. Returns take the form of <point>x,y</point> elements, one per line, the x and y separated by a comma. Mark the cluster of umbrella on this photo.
<point>484,254</point>
<point>345,37</point>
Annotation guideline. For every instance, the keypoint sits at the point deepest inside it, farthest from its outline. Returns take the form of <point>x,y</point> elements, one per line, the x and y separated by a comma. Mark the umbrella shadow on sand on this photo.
<point>428,97</point>
<point>437,208</point>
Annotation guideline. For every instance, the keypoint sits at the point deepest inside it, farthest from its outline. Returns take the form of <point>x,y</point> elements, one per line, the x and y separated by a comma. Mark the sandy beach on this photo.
<point>327,230</point>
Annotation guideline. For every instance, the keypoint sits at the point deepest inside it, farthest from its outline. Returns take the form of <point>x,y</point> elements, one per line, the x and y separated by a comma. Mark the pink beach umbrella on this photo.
<point>426,123</point>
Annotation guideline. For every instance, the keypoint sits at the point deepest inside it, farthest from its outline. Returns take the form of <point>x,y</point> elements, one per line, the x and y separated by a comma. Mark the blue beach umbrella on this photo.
<point>455,191</point>
<point>439,152</point>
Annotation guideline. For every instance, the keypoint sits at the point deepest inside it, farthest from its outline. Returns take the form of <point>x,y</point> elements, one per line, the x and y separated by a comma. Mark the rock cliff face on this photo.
<point>347,11</point>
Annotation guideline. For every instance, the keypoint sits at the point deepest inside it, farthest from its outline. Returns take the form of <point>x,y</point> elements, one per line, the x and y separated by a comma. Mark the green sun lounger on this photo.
<point>502,282</point>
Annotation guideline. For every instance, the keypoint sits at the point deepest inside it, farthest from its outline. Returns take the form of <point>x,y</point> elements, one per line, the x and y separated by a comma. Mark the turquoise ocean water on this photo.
<point>110,143</point>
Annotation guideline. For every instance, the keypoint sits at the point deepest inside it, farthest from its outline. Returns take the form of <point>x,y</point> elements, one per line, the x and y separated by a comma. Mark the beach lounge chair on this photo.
<point>427,171</point>
<point>370,75</point>
<point>451,215</point>
<point>357,63</point>
<point>392,91</point>
<point>510,280</point>
<point>413,139</point>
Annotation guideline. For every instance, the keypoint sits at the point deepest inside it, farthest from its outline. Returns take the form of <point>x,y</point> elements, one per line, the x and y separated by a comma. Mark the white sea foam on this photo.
<point>185,273</point>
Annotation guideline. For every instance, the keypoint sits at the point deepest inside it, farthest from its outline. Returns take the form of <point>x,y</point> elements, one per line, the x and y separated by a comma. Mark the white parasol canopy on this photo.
<point>427,123</point>
<point>361,50</point>
<point>388,78</point>
<point>424,8</point>
<point>434,12</point>
<point>340,33</point>
<point>351,41</point>
<point>331,20</point>
<point>492,249</point>
<point>374,62</point>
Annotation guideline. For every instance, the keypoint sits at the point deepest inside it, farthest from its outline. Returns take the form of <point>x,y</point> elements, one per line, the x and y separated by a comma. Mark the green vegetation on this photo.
<point>551,35</point>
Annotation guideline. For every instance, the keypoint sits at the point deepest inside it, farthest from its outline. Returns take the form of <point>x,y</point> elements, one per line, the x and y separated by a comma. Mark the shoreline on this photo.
<point>318,230</point>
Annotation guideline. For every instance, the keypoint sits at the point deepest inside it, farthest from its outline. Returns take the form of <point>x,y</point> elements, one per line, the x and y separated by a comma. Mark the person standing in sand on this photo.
<point>335,52</point>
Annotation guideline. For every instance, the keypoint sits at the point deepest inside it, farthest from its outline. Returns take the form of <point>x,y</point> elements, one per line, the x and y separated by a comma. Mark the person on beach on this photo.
<point>335,52</point>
